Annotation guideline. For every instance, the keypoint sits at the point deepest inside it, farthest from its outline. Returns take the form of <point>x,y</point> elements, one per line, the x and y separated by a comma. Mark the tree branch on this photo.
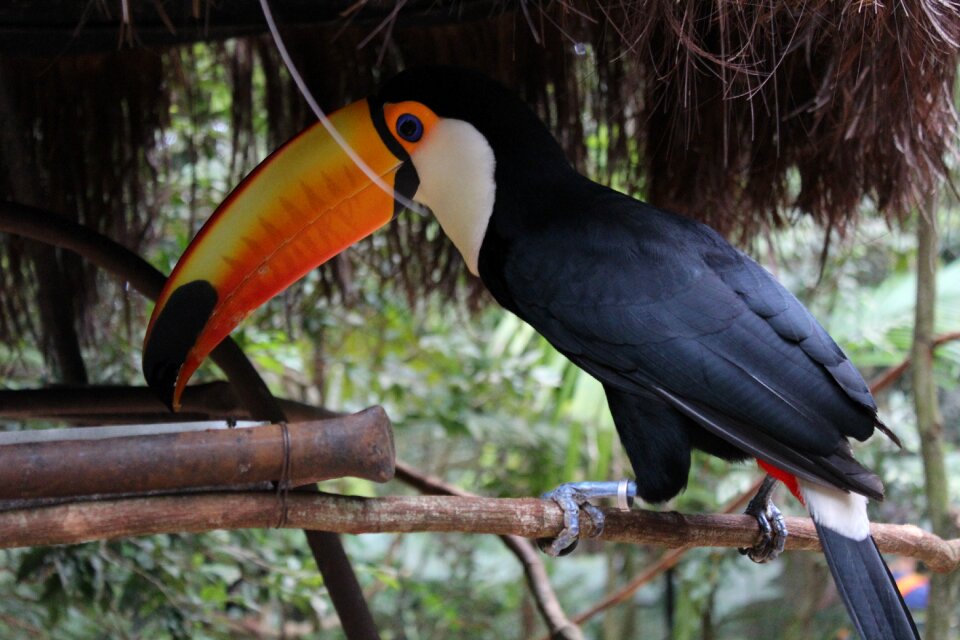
<point>38,224</point>
<point>891,375</point>
<point>941,603</point>
<point>119,404</point>
<point>49,228</point>
<point>527,517</point>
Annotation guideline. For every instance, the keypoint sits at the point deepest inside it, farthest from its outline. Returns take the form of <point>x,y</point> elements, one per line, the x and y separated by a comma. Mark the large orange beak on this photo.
<point>301,206</point>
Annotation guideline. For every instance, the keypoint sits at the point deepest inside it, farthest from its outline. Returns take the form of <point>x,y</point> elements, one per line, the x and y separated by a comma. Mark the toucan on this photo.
<point>696,345</point>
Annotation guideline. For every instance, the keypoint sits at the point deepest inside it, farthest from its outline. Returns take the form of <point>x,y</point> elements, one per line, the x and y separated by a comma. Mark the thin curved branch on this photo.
<point>558,624</point>
<point>52,229</point>
<point>891,375</point>
<point>527,517</point>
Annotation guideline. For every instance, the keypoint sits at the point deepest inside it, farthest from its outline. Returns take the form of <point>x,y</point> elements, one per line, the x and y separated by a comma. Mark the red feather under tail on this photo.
<point>787,479</point>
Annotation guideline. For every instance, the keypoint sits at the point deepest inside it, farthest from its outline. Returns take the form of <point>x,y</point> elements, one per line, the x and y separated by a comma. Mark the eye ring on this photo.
<point>409,127</point>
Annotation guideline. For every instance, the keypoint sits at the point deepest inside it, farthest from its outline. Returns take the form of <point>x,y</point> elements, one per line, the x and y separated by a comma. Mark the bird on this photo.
<point>696,345</point>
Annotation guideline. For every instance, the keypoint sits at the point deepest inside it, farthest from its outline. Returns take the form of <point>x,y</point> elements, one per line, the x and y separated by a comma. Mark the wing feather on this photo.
<point>651,302</point>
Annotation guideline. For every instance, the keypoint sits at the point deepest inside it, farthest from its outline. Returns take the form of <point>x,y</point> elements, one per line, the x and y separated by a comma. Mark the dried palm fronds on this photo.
<point>741,114</point>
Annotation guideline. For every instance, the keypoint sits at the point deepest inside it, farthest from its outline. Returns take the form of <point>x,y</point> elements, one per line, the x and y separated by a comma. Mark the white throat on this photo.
<point>455,166</point>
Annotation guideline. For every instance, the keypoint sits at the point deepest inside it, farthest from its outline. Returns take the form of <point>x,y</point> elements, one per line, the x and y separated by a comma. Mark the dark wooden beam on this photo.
<point>60,27</point>
<point>120,404</point>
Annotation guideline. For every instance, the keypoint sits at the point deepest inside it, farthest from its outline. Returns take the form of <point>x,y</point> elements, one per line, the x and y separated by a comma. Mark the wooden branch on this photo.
<point>527,517</point>
<point>41,225</point>
<point>891,375</point>
<point>106,404</point>
<point>941,599</point>
<point>49,228</point>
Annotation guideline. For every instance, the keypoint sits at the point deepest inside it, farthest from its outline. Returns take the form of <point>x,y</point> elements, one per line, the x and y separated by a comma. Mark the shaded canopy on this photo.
<point>737,113</point>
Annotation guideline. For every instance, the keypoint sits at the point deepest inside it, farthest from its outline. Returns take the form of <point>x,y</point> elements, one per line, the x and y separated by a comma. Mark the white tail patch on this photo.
<point>455,165</point>
<point>845,513</point>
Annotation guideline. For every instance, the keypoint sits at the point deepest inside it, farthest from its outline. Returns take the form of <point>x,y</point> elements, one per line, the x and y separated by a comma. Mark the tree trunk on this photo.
<point>929,424</point>
<point>58,317</point>
<point>21,179</point>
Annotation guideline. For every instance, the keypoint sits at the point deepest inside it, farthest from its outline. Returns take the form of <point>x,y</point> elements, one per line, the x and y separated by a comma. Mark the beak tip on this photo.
<point>162,379</point>
<point>176,329</point>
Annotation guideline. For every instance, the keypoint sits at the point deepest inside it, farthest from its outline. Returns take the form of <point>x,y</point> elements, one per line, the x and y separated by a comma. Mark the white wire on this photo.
<point>357,160</point>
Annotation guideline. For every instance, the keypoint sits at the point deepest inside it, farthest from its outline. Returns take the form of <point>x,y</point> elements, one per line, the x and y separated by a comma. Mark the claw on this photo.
<point>570,498</point>
<point>773,527</point>
<point>547,546</point>
<point>573,496</point>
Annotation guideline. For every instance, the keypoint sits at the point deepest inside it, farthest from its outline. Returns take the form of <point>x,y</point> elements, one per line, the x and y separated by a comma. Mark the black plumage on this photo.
<point>662,308</point>
<point>695,343</point>
<point>863,581</point>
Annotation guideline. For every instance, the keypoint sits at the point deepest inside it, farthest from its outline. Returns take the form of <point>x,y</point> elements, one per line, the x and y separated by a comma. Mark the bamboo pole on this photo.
<point>942,605</point>
<point>359,445</point>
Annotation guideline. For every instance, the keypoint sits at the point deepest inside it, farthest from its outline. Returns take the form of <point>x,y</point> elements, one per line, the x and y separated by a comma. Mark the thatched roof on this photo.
<point>737,113</point>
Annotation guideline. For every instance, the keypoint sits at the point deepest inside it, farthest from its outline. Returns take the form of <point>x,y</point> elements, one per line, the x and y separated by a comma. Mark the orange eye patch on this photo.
<point>409,122</point>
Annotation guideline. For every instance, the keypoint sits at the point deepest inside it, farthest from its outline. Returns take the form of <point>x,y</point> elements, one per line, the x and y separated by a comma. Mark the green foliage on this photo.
<point>484,402</point>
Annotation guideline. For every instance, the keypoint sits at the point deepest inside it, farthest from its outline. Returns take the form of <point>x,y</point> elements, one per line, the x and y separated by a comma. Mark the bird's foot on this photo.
<point>773,527</point>
<point>571,496</point>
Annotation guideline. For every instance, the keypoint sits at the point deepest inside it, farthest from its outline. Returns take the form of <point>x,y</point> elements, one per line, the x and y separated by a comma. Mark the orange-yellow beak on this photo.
<point>301,206</point>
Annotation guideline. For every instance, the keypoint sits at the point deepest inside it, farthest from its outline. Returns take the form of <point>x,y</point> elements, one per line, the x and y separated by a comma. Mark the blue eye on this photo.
<point>409,127</point>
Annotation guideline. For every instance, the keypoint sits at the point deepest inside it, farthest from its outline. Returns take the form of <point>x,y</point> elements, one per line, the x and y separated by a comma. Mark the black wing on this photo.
<point>647,301</point>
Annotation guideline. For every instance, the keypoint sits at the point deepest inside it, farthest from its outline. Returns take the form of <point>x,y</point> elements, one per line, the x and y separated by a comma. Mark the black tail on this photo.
<point>867,587</point>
